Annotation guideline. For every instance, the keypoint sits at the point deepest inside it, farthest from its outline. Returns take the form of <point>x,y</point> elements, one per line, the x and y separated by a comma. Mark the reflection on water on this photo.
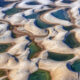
<point>40,75</point>
<point>59,56</point>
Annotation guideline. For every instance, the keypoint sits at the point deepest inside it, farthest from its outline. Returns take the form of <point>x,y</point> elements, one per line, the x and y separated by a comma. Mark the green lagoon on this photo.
<point>40,75</point>
<point>71,41</point>
<point>4,47</point>
<point>33,49</point>
<point>76,66</point>
<point>59,56</point>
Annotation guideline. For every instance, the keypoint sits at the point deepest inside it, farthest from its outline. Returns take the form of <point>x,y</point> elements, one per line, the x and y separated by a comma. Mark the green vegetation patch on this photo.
<point>2,73</point>
<point>34,48</point>
<point>4,47</point>
<point>59,56</point>
<point>40,75</point>
<point>76,66</point>
<point>71,41</point>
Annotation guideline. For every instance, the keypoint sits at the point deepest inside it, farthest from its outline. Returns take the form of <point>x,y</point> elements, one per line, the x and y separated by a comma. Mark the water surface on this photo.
<point>71,41</point>
<point>59,56</point>
<point>79,10</point>
<point>61,14</point>
<point>68,28</point>
<point>33,3</point>
<point>5,3</point>
<point>76,66</point>
<point>13,11</point>
<point>4,47</point>
<point>42,24</point>
<point>34,49</point>
<point>32,16</point>
<point>67,1</point>
<point>40,75</point>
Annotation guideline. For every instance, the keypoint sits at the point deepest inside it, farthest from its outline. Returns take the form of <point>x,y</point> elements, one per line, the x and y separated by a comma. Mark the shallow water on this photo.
<point>76,66</point>
<point>4,47</point>
<point>71,41</point>
<point>79,10</point>
<point>32,16</point>
<point>67,1</point>
<point>40,75</point>
<point>68,28</point>
<point>61,14</point>
<point>34,49</point>
<point>2,73</point>
<point>3,4</point>
<point>6,79</point>
<point>59,56</point>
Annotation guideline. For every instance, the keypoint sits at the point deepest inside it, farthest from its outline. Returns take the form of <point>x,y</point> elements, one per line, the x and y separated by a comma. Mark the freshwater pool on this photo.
<point>40,75</point>
<point>59,56</point>
<point>61,14</point>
